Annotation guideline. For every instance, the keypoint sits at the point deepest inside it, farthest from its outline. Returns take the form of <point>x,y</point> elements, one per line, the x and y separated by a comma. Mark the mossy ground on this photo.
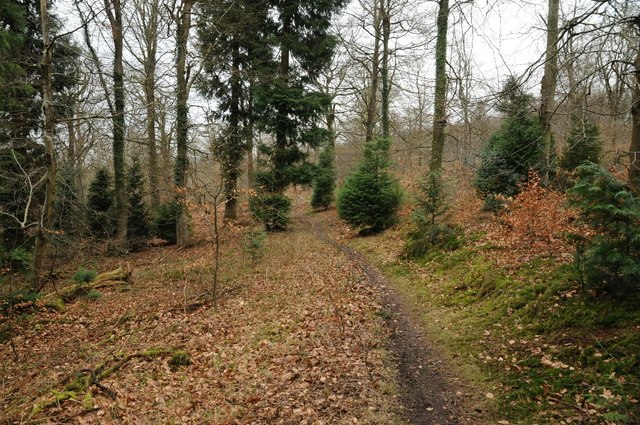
<point>544,350</point>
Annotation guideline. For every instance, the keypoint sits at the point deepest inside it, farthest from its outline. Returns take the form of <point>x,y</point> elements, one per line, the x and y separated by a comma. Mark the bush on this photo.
<point>164,224</point>
<point>370,197</point>
<point>432,228</point>
<point>610,260</point>
<point>324,181</point>
<point>513,150</point>
<point>252,243</point>
<point>272,210</point>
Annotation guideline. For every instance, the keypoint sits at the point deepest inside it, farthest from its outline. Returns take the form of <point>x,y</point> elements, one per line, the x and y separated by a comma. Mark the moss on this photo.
<point>55,304</point>
<point>180,358</point>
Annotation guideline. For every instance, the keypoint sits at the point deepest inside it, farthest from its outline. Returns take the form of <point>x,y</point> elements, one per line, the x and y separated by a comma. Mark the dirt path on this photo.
<point>427,392</point>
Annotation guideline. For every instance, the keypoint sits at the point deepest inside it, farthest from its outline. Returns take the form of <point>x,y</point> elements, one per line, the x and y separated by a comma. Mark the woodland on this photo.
<point>320,212</point>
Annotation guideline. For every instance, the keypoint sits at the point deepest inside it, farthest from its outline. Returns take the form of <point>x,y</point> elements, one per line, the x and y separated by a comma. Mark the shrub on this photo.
<point>511,151</point>
<point>100,202</point>
<point>84,276</point>
<point>93,295</point>
<point>324,181</point>
<point>272,210</point>
<point>370,197</point>
<point>252,243</point>
<point>611,259</point>
<point>431,221</point>
<point>164,224</point>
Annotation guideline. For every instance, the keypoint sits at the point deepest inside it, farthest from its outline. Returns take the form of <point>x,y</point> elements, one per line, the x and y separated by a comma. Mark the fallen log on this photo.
<point>108,279</point>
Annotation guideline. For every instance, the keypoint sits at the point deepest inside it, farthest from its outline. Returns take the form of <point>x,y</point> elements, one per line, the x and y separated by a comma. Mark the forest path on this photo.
<point>425,379</point>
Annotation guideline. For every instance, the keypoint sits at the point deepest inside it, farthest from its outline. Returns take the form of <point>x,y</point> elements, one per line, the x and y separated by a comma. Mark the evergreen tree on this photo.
<point>138,220</point>
<point>431,221</point>
<point>513,150</point>
<point>324,179</point>
<point>100,203</point>
<point>235,49</point>
<point>286,107</point>
<point>370,197</point>
<point>583,143</point>
<point>611,259</point>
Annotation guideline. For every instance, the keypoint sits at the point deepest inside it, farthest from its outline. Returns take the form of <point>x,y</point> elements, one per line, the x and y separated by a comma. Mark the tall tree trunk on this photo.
<point>182,124</point>
<point>634,148</point>
<point>114,12</point>
<point>440,96</point>
<point>249,137</point>
<point>151,42</point>
<point>372,101</point>
<point>280,151</point>
<point>386,33</point>
<point>232,156</point>
<point>47,135</point>
<point>549,81</point>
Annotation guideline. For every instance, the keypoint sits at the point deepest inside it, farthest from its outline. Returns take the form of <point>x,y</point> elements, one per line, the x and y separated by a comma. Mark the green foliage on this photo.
<point>18,302</point>
<point>370,197</point>
<point>272,210</point>
<point>324,180</point>
<point>138,221</point>
<point>583,143</point>
<point>252,243</point>
<point>100,203</point>
<point>610,260</point>
<point>180,358</point>
<point>93,295</point>
<point>84,276</point>
<point>432,228</point>
<point>164,224</point>
<point>513,150</point>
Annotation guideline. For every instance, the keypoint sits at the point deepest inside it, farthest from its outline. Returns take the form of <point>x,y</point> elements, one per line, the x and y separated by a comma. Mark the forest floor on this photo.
<point>307,333</point>
<point>324,327</point>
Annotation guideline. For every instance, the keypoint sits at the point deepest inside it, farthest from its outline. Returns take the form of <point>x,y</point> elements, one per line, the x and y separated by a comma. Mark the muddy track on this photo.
<point>425,387</point>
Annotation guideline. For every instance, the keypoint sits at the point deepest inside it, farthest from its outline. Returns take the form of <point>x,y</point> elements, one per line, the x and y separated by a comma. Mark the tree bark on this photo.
<point>549,81</point>
<point>47,135</point>
<point>183,236</point>
<point>440,96</point>
<point>232,159</point>
<point>386,33</point>
<point>372,102</point>
<point>634,148</point>
<point>249,137</point>
<point>114,12</point>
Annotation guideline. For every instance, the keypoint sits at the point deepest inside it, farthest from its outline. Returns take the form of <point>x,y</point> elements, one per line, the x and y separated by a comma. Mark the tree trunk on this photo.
<point>549,81</point>
<point>634,148</point>
<point>386,32</point>
<point>440,96</point>
<point>47,135</point>
<point>232,152</point>
<point>372,102</point>
<point>183,236</point>
<point>114,12</point>
<point>151,41</point>
<point>249,137</point>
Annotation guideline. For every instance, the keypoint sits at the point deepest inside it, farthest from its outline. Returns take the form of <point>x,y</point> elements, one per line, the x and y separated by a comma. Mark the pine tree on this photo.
<point>583,143</point>
<point>100,203</point>
<point>138,220</point>
<point>324,180</point>
<point>611,259</point>
<point>432,227</point>
<point>369,198</point>
<point>513,150</point>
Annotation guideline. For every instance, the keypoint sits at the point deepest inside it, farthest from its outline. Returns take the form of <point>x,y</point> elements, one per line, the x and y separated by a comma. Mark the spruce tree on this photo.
<point>370,197</point>
<point>324,179</point>
<point>583,143</point>
<point>286,106</point>
<point>513,150</point>
<point>138,220</point>
<point>100,203</point>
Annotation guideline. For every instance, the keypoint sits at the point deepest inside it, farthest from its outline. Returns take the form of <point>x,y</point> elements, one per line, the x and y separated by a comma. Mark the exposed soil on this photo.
<point>427,390</point>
